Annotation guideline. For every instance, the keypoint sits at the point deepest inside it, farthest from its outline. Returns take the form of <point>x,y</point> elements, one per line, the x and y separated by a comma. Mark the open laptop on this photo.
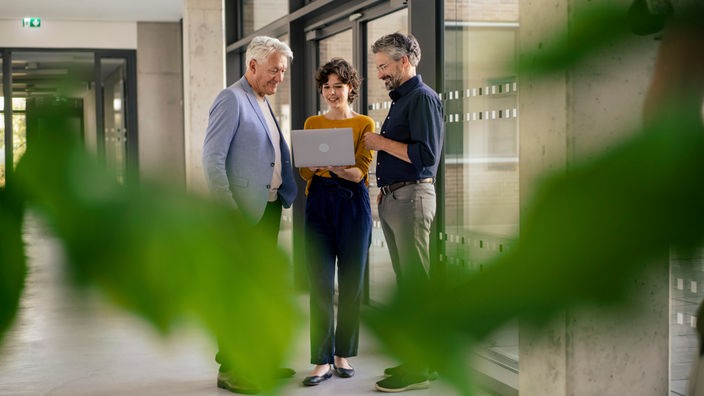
<point>322,147</point>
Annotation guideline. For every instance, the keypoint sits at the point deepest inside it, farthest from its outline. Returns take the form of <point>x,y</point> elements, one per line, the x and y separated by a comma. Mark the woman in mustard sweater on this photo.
<point>337,228</point>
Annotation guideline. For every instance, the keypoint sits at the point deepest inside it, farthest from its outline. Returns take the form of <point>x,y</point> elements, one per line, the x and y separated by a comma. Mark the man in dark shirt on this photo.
<point>408,153</point>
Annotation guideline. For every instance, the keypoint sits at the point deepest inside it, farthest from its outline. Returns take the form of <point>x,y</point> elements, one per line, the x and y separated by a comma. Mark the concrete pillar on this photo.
<point>203,77</point>
<point>160,96</point>
<point>566,118</point>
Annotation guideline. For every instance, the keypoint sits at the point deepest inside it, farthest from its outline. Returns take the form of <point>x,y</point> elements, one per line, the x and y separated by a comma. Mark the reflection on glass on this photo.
<point>19,129</point>
<point>113,76</point>
<point>480,101</point>
<point>259,13</point>
<point>481,148</point>
<point>336,46</point>
<point>18,137</point>
<point>381,274</point>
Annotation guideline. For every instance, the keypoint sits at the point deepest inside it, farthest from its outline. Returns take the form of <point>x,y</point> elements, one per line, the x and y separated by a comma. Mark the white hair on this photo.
<point>262,47</point>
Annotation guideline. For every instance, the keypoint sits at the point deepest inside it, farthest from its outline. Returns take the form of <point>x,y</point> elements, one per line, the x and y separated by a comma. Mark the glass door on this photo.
<point>382,280</point>
<point>113,128</point>
<point>96,90</point>
<point>481,149</point>
<point>116,113</point>
<point>13,132</point>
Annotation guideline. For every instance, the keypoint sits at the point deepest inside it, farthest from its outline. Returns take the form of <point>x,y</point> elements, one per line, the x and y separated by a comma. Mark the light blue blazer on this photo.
<point>238,155</point>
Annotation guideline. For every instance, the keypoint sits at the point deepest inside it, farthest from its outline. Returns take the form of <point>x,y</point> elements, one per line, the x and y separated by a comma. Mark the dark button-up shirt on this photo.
<point>415,118</point>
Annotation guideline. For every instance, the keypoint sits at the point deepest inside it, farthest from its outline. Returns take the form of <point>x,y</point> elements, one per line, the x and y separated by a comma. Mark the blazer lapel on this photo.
<point>252,98</point>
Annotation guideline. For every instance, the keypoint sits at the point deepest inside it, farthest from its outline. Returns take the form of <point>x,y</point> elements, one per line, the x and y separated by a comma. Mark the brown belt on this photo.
<point>389,188</point>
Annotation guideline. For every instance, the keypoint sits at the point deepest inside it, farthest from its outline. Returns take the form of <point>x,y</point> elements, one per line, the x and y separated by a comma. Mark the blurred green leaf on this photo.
<point>13,268</point>
<point>611,216</point>
<point>165,254</point>
<point>590,29</point>
<point>169,256</point>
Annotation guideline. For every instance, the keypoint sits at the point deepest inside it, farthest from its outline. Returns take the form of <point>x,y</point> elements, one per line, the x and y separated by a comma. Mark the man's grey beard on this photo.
<point>391,84</point>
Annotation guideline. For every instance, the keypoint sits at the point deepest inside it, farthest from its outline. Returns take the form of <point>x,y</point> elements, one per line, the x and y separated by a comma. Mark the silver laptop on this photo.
<point>322,147</point>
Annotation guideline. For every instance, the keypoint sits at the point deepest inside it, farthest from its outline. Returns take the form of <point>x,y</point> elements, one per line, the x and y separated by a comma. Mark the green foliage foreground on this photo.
<point>163,254</point>
<point>586,236</point>
<point>168,256</point>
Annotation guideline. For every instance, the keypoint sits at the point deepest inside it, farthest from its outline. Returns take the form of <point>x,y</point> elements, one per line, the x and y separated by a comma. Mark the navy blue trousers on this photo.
<point>338,226</point>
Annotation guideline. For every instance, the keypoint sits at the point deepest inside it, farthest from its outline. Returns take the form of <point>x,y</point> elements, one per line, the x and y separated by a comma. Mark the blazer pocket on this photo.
<point>240,182</point>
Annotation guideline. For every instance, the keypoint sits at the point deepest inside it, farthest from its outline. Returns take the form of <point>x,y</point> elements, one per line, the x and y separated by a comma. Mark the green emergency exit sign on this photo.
<point>31,22</point>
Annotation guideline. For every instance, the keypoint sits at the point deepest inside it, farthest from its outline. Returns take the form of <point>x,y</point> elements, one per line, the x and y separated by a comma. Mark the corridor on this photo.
<point>63,343</point>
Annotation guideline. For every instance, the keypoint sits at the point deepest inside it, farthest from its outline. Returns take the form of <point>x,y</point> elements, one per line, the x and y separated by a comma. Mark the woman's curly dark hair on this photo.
<point>345,71</point>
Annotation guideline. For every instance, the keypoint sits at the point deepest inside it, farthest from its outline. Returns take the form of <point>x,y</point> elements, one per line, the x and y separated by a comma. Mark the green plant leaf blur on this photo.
<point>12,258</point>
<point>591,28</point>
<point>612,215</point>
<point>169,256</point>
<point>161,253</point>
<point>607,216</point>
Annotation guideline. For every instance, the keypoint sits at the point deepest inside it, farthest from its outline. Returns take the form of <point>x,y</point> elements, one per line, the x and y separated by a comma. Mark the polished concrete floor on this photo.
<point>62,343</point>
<point>67,344</point>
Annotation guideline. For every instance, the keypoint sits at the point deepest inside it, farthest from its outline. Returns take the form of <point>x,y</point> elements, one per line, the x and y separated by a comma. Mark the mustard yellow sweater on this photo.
<point>360,124</point>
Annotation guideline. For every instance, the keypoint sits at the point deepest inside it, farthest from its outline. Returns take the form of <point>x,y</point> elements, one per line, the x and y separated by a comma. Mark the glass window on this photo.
<point>18,139</point>
<point>481,10</point>
<point>336,46</point>
<point>259,13</point>
<point>381,274</point>
<point>19,133</point>
<point>114,74</point>
<point>481,165</point>
<point>41,78</point>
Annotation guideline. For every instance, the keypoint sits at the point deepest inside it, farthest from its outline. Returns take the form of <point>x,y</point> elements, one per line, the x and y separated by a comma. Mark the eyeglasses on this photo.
<point>382,67</point>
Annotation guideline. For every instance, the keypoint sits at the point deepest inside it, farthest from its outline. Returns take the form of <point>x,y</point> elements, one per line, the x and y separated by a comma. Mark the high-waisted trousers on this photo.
<point>338,225</point>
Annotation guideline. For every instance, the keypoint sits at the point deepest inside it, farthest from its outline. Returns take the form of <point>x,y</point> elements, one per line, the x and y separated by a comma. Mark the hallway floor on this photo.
<point>65,344</point>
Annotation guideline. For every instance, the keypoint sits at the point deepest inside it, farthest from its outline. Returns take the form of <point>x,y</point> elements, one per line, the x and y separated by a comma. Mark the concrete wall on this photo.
<point>204,77</point>
<point>567,118</point>
<point>69,34</point>
<point>160,98</point>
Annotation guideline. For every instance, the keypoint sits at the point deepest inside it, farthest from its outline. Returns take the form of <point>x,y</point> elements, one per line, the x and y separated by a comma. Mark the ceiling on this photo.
<point>94,10</point>
<point>64,73</point>
<point>68,73</point>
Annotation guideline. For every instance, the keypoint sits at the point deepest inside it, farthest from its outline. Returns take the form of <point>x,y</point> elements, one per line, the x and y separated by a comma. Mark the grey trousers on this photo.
<point>406,217</point>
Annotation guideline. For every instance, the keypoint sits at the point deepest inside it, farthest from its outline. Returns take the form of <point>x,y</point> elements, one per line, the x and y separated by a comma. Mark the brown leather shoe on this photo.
<point>237,385</point>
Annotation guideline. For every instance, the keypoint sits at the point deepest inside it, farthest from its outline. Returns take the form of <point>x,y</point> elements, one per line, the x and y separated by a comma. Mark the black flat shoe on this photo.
<point>344,372</point>
<point>317,379</point>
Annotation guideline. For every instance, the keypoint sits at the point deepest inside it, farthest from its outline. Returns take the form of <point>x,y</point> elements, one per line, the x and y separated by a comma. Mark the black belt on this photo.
<point>389,188</point>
